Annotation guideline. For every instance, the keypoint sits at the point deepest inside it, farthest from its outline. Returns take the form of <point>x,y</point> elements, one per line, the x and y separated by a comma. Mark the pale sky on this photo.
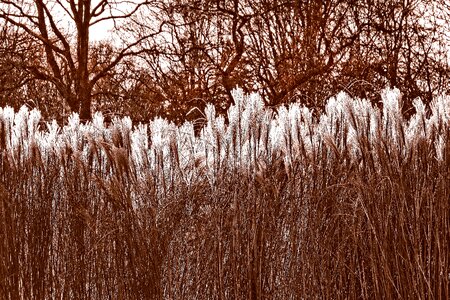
<point>100,31</point>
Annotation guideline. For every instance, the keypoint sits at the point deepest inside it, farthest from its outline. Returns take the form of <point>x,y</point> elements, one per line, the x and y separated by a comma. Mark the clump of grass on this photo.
<point>274,205</point>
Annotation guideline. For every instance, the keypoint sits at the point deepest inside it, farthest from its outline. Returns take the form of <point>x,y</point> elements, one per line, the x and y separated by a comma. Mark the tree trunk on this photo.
<point>85,104</point>
<point>83,89</point>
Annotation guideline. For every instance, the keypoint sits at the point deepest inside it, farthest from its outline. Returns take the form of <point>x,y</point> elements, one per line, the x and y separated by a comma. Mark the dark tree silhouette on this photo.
<point>176,55</point>
<point>67,49</point>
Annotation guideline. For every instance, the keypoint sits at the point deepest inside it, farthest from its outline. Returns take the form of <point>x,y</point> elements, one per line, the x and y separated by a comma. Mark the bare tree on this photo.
<point>402,44</point>
<point>67,48</point>
<point>279,48</point>
<point>173,56</point>
<point>18,86</point>
<point>296,46</point>
<point>201,58</point>
<point>14,48</point>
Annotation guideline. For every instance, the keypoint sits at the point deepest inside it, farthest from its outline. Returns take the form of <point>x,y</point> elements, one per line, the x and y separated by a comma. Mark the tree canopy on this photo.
<point>170,57</point>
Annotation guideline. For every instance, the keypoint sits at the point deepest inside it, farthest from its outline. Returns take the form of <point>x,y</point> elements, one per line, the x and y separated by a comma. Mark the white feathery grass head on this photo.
<point>306,115</point>
<point>98,120</point>
<point>8,115</point>
<point>284,128</point>
<point>73,121</point>
<point>235,111</point>
<point>417,124</point>
<point>362,115</point>
<point>305,126</point>
<point>335,105</point>
<point>214,133</point>
<point>19,129</point>
<point>33,121</point>
<point>186,143</point>
<point>256,103</point>
<point>440,110</point>
<point>53,130</point>
<point>158,132</point>
<point>246,116</point>
<point>3,131</point>
<point>334,110</point>
<point>264,138</point>
<point>391,112</point>
<point>124,125</point>
<point>439,144</point>
<point>239,98</point>
<point>294,113</point>
<point>21,120</point>
<point>391,99</point>
<point>233,116</point>
<point>372,114</point>
<point>49,140</point>
<point>275,136</point>
<point>253,131</point>
<point>210,113</point>
<point>209,131</point>
<point>186,133</point>
<point>391,103</point>
<point>139,145</point>
<point>72,131</point>
<point>220,126</point>
<point>249,113</point>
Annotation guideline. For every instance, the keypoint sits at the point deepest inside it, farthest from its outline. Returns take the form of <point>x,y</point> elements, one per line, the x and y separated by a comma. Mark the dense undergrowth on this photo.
<point>270,205</point>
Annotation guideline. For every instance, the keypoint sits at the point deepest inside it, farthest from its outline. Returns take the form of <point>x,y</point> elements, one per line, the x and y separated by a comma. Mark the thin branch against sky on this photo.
<point>106,16</point>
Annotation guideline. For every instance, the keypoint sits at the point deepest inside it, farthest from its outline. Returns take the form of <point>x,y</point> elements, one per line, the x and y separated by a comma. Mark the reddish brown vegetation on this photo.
<point>324,229</point>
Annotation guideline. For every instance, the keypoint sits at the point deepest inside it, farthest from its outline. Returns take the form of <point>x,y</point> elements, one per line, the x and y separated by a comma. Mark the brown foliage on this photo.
<point>328,227</point>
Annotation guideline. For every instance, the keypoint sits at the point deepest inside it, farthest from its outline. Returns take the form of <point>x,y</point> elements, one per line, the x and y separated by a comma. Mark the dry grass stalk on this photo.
<point>338,208</point>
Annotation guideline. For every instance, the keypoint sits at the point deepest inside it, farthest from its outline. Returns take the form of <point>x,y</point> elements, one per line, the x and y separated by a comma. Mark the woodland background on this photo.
<point>171,57</point>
